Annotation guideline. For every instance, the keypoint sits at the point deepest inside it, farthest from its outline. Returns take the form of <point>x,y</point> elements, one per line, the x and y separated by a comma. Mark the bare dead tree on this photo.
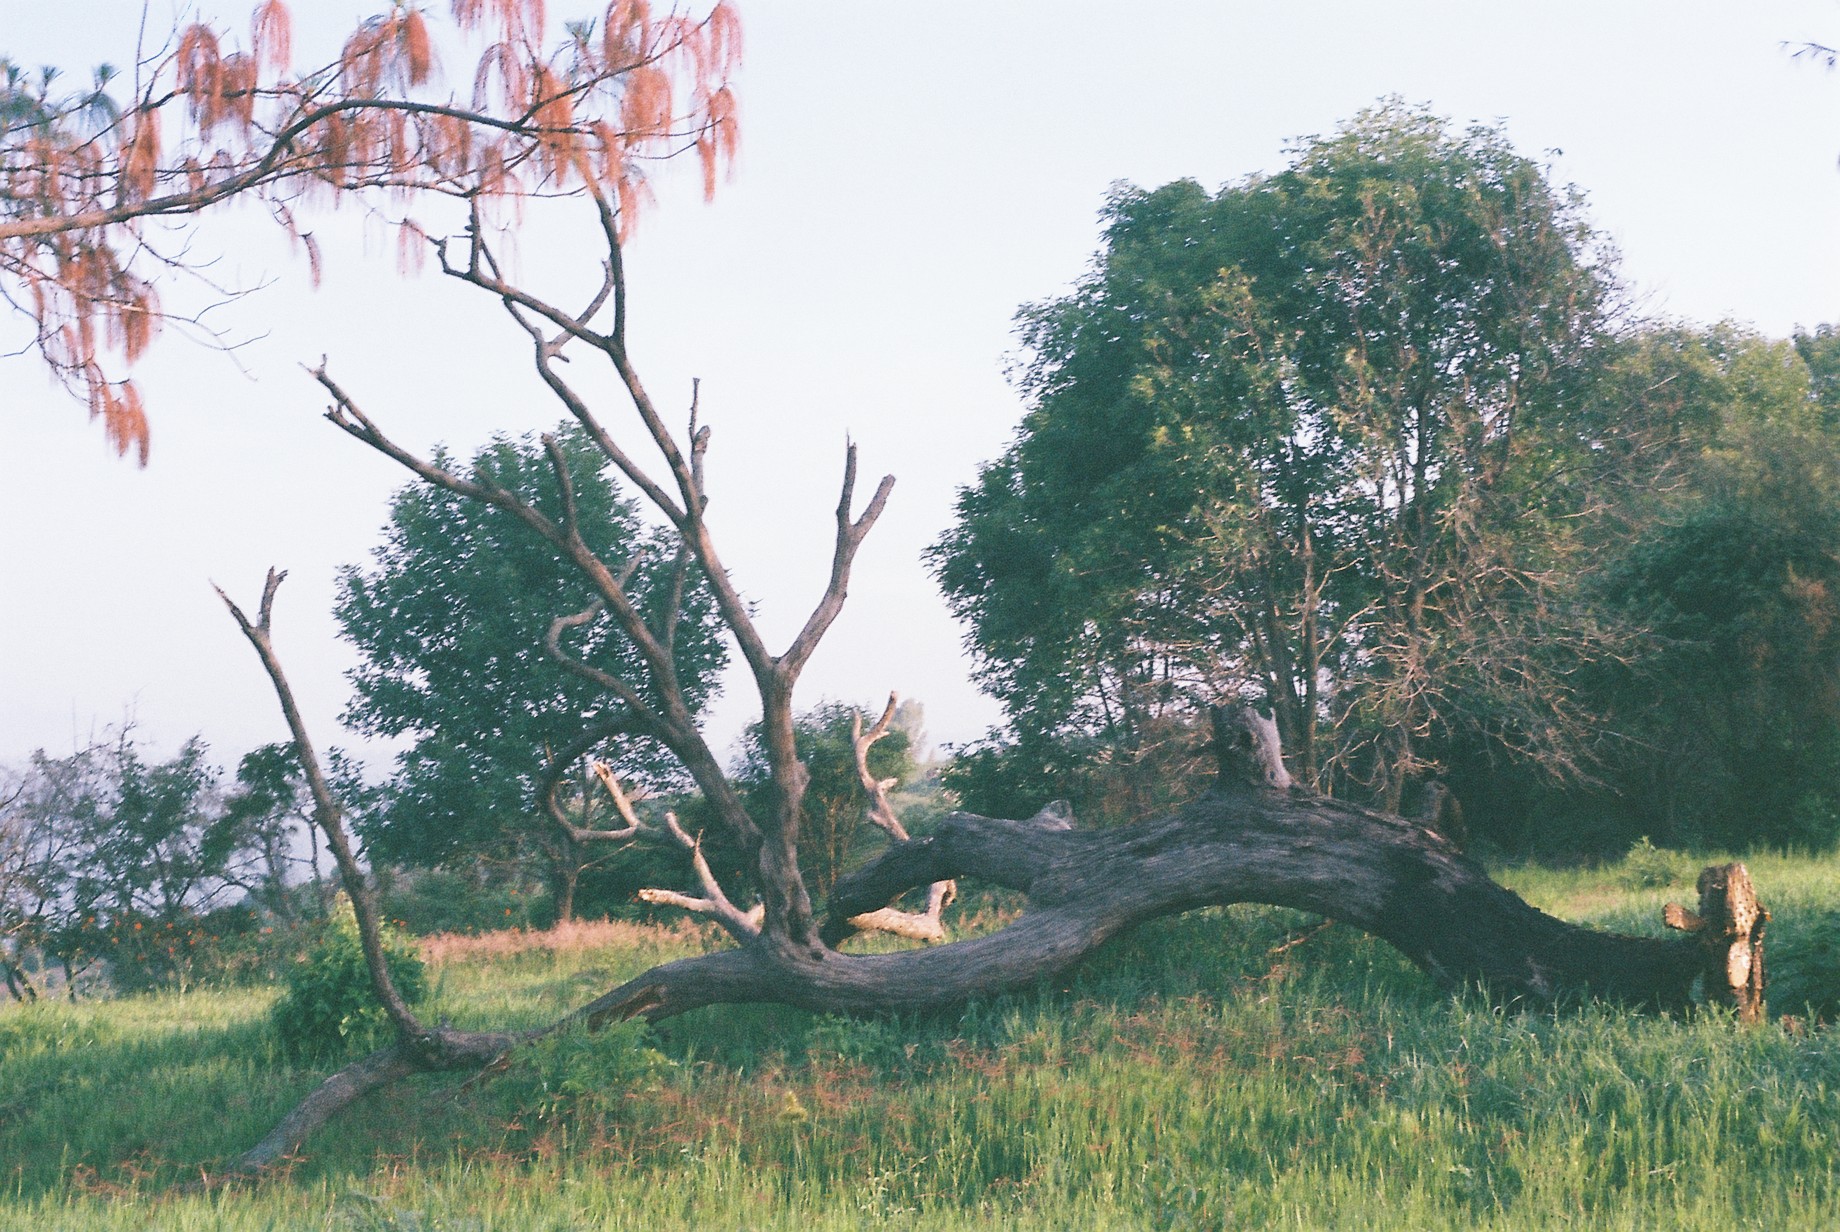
<point>1256,837</point>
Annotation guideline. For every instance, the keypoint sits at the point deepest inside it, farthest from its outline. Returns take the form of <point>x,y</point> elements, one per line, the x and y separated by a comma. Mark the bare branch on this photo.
<point>918,926</point>
<point>326,813</point>
<point>485,276</point>
<point>577,407</point>
<point>622,803</point>
<point>587,671</point>
<point>558,768</point>
<point>676,727</point>
<point>554,348</point>
<point>881,813</point>
<point>850,535</point>
<point>742,925</point>
<point>914,925</point>
<point>571,520</point>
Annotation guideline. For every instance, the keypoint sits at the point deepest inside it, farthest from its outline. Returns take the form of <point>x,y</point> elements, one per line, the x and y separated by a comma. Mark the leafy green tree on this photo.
<point>158,842</point>
<point>110,856</point>
<point>450,620</point>
<point>1713,526</point>
<point>1288,441</point>
<point>1735,706</point>
<point>1819,349</point>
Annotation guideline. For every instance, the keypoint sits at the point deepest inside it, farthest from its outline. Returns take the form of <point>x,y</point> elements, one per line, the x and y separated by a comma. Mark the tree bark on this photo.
<point>440,1049</point>
<point>18,983</point>
<point>1256,837</point>
<point>567,877</point>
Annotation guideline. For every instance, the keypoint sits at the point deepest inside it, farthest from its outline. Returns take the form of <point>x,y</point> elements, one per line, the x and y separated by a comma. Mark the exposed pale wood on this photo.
<point>1731,938</point>
<point>928,925</point>
<point>742,925</point>
<point>881,813</point>
<point>1256,837</point>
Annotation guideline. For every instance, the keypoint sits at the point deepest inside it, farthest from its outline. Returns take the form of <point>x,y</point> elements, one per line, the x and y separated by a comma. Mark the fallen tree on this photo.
<point>584,120</point>
<point>1255,837</point>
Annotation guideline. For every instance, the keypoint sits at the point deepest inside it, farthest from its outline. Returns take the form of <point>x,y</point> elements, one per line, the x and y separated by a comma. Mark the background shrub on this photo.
<point>329,1006</point>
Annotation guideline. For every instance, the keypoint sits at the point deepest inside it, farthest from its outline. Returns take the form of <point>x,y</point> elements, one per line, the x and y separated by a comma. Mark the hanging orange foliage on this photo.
<point>271,36</point>
<point>581,117</point>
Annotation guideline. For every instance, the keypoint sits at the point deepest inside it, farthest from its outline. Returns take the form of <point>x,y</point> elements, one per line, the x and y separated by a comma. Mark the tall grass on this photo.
<point>1231,1068</point>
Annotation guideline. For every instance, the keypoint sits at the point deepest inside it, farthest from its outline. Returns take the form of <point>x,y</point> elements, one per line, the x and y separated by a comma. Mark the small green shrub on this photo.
<point>329,1006</point>
<point>578,1071</point>
<point>1648,867</point>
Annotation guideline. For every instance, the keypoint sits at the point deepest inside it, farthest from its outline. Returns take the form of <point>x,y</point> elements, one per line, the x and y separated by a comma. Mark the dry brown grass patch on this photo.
<point>570,936</point>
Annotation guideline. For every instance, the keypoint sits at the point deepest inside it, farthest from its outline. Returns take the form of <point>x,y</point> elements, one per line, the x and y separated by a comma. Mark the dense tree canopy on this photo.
<point>451,618</point>
<point>1721,721</point>
<point>1286,442</point>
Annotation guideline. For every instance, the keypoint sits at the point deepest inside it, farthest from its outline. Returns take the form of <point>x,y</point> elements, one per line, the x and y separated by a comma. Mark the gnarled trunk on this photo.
<point>1254,838</point>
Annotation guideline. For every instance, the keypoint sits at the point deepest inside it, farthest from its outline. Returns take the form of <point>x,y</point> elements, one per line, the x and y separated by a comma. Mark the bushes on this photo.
<point>428,901</point>
<point>1648,867</point>
<point>329,1006</point>
<point>581,1072</point>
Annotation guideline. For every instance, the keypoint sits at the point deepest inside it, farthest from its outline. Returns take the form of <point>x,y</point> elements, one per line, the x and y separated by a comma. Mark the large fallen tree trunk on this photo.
<point>1254,838</point>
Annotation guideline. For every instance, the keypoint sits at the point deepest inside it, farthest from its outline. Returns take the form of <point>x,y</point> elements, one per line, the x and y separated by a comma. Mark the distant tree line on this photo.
<point>153,872</point>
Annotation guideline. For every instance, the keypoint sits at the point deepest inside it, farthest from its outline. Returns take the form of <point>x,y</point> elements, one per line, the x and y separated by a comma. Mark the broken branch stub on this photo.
<point>1729,929</point>
<point>928,925</point>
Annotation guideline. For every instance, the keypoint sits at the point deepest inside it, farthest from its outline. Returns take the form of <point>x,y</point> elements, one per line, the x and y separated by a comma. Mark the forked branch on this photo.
<point>851,531</point>
<point>744,926</point>
<point>928,925</point>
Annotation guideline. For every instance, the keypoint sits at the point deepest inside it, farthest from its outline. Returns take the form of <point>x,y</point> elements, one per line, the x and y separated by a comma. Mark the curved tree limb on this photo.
<point>1253,841</point>
<point>326,812</point>
<point>550,784</point>
<point>1246,841</point>
<point>441,1049</point>
<point>417,1048</point>
<point>925,925</point>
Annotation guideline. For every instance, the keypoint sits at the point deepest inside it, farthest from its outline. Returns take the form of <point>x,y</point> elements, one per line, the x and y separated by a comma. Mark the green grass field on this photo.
<point>1197,1075</point>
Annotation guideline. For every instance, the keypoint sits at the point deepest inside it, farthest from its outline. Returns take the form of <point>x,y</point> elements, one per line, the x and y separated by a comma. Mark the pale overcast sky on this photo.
<point>910,175</point>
